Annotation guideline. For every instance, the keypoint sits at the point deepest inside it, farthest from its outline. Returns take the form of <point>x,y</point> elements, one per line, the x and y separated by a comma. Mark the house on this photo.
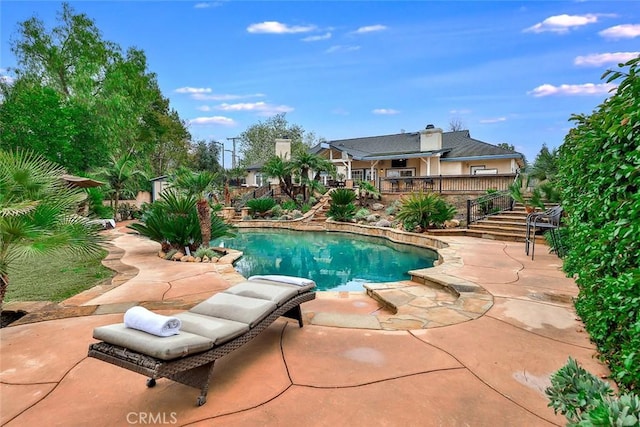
<point>426,160</point>
<point>429,160</point>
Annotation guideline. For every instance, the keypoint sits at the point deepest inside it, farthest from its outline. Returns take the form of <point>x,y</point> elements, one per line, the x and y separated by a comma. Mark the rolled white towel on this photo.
<point>144,320</point>
<point>291,280</point>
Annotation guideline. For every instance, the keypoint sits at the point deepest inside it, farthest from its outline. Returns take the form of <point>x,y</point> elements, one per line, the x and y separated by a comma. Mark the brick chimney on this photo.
<point>431,138</point>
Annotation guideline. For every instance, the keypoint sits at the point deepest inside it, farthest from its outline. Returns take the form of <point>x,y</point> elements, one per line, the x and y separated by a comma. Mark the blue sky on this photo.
<point>508,71</point>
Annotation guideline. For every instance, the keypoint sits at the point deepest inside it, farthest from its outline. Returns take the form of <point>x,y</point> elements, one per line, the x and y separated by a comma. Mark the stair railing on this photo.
<point>490,204</point>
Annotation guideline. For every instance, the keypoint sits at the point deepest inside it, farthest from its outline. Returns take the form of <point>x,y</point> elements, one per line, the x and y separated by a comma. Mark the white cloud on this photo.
<point>4,78</point>
<point>625,31</point>
<point>385,111</point>
<point>370,29</point>
<point>261,108</point>
<point>562,23</point>
<point>213,120</point>
<point>326,36</point>
<point>205,5</point>
<point>598,59</point>
<point>494,120</point>
<point>204,108</point>
<point>188,89</point>
<point>342,48</point>
<point>582,89</point>
<point>222,96</point>
<point>460,111</point>
<point>275,27</point>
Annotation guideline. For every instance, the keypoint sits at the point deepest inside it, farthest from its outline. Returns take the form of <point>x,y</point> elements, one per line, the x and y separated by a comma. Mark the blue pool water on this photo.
<point>335,261</point>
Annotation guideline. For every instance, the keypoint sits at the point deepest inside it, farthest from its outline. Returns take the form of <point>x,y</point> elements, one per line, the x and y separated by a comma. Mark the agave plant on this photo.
<point>428,210</point>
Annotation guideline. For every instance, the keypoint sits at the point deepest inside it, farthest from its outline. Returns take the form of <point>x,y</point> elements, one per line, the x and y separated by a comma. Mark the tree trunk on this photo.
<point>4,284</point>
<point>204,217</point>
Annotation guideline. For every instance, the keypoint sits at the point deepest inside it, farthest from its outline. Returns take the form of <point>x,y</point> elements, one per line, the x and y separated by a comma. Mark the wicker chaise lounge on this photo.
<point>210,330</point>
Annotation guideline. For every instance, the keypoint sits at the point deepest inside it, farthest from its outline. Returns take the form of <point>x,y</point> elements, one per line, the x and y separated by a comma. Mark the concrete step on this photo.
<point>515,224</point>
<point>497,228</point>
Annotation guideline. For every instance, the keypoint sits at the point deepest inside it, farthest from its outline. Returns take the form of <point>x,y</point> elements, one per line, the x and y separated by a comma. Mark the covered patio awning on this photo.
<point>81,181</point>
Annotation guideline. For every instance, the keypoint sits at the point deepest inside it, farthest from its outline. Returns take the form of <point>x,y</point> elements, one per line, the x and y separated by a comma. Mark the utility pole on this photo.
<point>222,150</point>
<point>233,153</point>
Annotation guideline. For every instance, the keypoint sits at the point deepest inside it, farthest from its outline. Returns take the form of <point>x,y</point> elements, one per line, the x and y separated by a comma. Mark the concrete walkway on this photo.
<point>490,371</point>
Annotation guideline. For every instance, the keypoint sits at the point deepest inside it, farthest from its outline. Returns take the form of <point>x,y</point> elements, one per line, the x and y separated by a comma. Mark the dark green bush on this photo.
<point>341,207</point>
<point>600,180</point>
<point>173,222</point>
<point>428,210</point>
<point>261,206</point>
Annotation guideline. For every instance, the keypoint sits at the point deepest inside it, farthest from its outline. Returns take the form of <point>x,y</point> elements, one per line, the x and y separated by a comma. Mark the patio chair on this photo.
<point>548,220</point>
<point>210,330</point>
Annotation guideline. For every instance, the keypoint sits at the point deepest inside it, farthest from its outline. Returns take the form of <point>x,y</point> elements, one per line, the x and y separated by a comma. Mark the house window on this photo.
<point>401,163</point>
<point>259,179</point>
<point>475,169</point>
<point>357,175</point>
<point>396,173</point>
<point>370,177</point>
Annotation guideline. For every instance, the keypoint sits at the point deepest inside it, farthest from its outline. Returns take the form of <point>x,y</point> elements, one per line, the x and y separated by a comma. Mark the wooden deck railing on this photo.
<point>451,184</point>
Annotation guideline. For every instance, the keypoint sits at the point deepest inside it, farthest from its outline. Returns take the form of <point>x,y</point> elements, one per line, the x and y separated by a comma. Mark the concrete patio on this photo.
<point>337,370</point>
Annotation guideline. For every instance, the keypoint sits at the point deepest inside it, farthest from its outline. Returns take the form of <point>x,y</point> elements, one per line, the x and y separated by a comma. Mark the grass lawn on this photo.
<point>55,277</point>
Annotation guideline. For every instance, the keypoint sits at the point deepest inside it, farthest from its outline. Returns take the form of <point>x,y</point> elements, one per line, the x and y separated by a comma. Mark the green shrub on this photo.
<point>306,207</point>
<point>341,207</point>
<point>428,210</point>
<point>97,209</point>
<point>261,206</point>
<point>600,180</point>
<point>289,205</point>
<point>585,400</point>
<point>393,208</point>
<point>173,222</point>
<point>362,213</point>
<point>127,211</point>
<point>276,211</point>
<point>170,253</point>
<point>201,252</point>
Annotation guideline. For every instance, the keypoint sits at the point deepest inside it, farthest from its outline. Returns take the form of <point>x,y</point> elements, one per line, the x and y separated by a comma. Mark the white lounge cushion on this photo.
<point>165,348</point>
<point>266,291</point>
<point>214,328</point>
<point>302,285</point>
<point>235,307</point>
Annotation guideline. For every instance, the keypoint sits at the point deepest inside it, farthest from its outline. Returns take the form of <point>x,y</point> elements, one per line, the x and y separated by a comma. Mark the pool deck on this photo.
<point>435,362</point>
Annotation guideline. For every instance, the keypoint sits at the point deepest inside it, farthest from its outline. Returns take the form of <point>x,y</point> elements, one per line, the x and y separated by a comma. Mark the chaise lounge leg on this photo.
<point>198,377</point>
<point>295,313</point>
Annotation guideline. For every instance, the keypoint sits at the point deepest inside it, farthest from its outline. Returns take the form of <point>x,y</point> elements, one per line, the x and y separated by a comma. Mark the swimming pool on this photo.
<point>335,261</point>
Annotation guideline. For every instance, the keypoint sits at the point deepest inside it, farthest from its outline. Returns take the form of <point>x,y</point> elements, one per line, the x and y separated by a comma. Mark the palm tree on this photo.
<point>118,174</point>
<point>38,213</point>
<point>278,167</point>
<point>200,185</point>
<point>306,162</point>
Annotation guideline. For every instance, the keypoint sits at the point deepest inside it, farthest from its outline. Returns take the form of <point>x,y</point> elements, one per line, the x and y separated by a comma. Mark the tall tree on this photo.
<point>456,124</point>
<point>257,143</point>
<point>545,166</point>
<point>110,99</point>
<point>205,156</point>
<point>506,146</point>
<point>38,213</point>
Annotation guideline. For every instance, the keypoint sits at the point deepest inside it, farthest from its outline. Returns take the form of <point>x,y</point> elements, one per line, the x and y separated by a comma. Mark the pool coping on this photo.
<point>409,308</point>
